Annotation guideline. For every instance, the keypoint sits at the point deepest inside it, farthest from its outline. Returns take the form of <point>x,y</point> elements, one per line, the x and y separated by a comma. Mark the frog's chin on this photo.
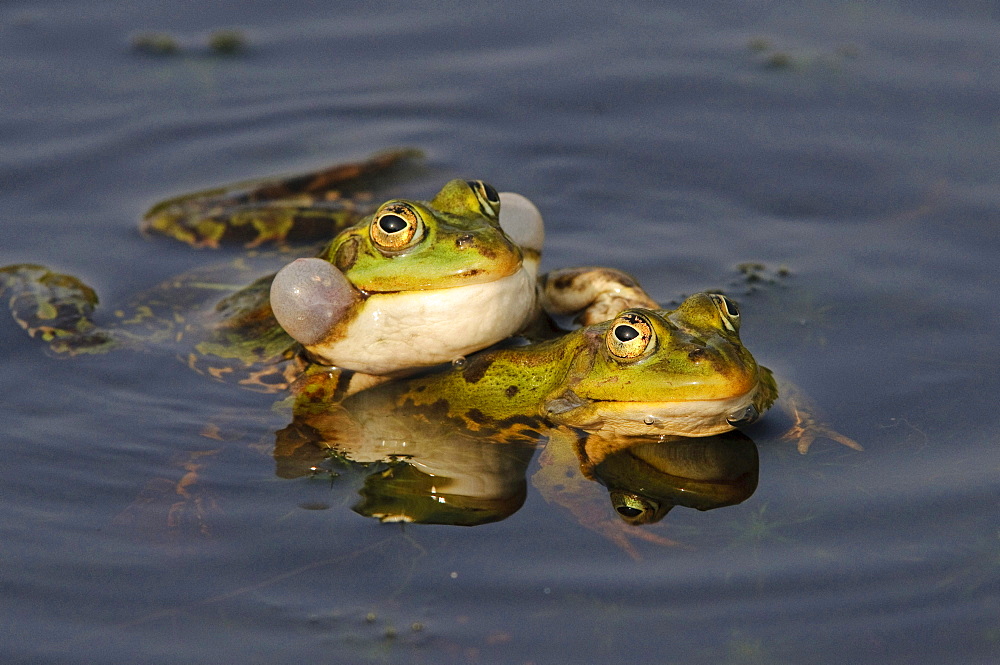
<point>706,417</point>
<point>391,332</point>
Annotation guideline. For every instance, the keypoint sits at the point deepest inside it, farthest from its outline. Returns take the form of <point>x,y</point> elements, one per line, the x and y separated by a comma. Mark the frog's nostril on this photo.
<point>464,240</point>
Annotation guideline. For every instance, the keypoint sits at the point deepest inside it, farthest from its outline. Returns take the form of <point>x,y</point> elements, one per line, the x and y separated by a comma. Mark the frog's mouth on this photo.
<point>692,417</point>
<point>528,262</point>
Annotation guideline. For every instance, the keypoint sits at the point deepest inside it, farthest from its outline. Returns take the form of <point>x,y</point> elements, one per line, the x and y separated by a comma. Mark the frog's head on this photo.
<point>683,372</point>
<point>416,274</point>
<point>453,240</point>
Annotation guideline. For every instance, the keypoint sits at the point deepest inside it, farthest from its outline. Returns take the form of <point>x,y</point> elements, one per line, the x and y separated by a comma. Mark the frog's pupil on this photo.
<point>626,333</point>
<point>731,306</point>
<point>392,223</point>
<point>629,511</point>
<point>491,194</point>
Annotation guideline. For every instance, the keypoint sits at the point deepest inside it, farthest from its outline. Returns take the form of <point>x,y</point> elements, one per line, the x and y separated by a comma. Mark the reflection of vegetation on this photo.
<point>757,273</point>
<point>155,43</point>
<point>982,565</point>
<point>745,650</point>
<point>790,306</point>
<point>771,56</point>
<point>220,42</point>
<point>758,528</point>
<point>227,42</point>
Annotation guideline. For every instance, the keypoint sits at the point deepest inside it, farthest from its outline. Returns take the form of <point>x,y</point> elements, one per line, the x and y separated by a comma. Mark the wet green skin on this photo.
<point>303,208</point>
<point>229,332</point>
<point>574,394</point>
<point>577,381</point>
<point>693,355</point>
<point>462,241</point>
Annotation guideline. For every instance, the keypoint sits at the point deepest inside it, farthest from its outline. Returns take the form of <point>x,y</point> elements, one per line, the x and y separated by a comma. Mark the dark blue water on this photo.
<point>855,143</point>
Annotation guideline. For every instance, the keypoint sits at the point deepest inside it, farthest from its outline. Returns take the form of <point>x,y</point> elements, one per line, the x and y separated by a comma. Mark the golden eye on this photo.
<point>396,226</point>
<point>729,310</point>
<point>630,336</point>
<point>489,200</point>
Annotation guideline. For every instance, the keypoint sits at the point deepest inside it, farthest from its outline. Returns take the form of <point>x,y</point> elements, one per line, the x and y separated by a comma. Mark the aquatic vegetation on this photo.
<point>769,56</point>
<point>220,43</point>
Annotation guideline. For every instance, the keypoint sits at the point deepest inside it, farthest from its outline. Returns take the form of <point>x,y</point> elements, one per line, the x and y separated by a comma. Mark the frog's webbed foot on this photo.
<point>623,535</point>
<point>808,423</point>
<point>193,506</point>
<point>804,433</point>
<point>173,511</point>
<point>591,294</point>
<point>306,207</point>
<point>55,308</point>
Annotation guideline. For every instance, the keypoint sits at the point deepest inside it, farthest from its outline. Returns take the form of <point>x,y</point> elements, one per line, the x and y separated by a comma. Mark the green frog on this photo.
<point>407,285</point>
<point>412,284</point>
<point>416,284</point>
<point>682,372</point>
<point>644,377</point>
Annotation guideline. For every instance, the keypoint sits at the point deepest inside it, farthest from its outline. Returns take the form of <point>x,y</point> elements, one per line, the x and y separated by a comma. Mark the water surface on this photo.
<point>855,144</point>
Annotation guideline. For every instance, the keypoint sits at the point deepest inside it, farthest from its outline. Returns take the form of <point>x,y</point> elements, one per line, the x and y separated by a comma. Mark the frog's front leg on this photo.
<point>310,206</point>
<point>55,308</point>
<point>319,386</point>
<point>808,422</point>
<point>591,294</point>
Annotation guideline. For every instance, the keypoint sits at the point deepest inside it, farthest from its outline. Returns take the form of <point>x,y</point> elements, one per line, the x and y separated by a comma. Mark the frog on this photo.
<point>397,288</point>
<point>400,286</point>
<point>416,284</point>
<point>682,372</point>
<point>644,377</point>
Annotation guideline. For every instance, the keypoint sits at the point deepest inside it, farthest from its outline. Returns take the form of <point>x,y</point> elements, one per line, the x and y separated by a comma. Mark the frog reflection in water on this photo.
<point>467,237</point>
<point>372,302</point>
<point>645,373</point>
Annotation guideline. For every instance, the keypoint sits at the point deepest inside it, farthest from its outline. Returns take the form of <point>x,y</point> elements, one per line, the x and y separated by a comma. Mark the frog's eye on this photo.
<point>729,310</point>
<point>489,199</point>
<point>633,508</point>
<point>630,336</point>
<point>395,227</point>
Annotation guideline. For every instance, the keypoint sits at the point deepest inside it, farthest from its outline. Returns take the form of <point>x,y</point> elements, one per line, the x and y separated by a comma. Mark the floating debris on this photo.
<point>155,43</point>
<point>219,43</point>
<point>227,42</point>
